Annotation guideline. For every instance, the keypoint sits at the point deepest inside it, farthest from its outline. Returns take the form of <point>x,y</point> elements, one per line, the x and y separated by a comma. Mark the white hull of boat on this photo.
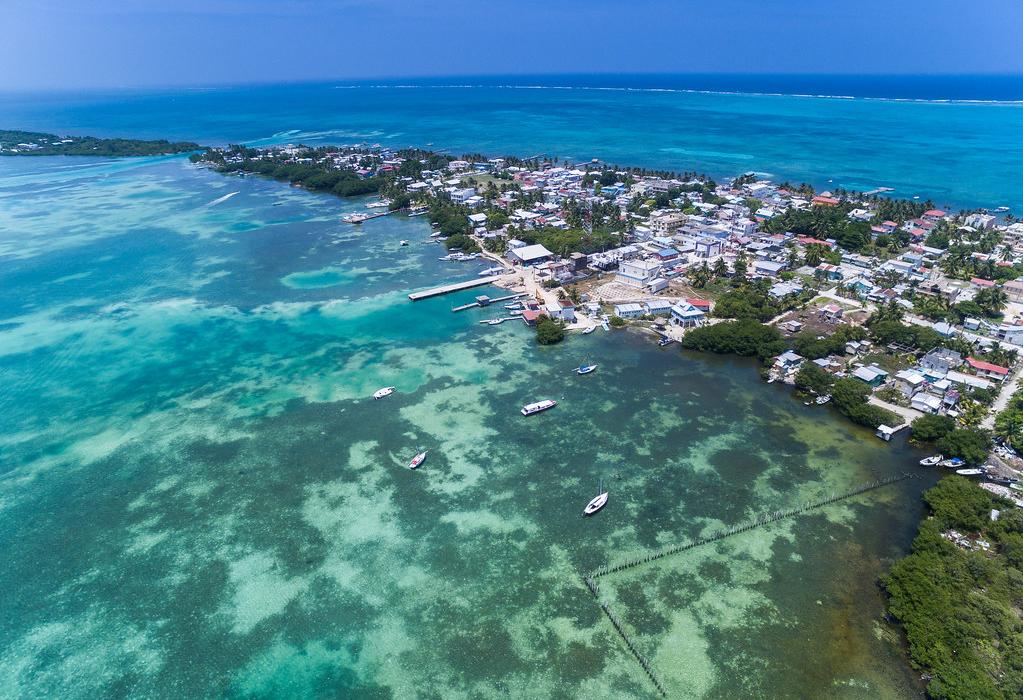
<point>418,460</point>
<point>596,504</point>
<point>381,393</point>
<point>532,408</point>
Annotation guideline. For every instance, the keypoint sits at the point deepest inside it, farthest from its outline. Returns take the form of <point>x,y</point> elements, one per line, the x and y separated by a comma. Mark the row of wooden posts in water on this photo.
<point>591,579</point>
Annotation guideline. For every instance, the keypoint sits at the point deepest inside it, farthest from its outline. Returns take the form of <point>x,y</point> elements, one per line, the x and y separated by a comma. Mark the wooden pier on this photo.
<point>454,287</point>
<point>487,301</point>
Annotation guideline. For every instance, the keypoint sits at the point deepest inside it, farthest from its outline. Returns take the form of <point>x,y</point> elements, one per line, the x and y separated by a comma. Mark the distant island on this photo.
<point>31,143</point>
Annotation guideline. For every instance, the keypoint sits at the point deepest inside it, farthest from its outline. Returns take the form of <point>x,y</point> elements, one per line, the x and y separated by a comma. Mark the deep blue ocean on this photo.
<point>957,140</point>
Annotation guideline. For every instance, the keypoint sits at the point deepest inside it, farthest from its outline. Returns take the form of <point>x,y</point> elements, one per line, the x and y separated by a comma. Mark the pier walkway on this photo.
<point>454,287</point>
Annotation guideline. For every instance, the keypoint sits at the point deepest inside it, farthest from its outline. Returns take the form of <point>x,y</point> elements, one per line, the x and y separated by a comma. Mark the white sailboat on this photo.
<point>418,460</point>
<point>597,502</point>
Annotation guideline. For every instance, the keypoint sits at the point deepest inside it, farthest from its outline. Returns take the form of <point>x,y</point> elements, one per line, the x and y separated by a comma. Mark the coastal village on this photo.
<point>913,310</point>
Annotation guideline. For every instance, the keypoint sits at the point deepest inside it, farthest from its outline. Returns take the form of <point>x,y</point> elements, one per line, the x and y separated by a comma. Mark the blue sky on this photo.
<point>124,43</point>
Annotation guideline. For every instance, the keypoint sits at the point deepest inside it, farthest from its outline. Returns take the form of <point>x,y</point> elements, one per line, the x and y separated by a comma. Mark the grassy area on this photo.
<point>889,363</point>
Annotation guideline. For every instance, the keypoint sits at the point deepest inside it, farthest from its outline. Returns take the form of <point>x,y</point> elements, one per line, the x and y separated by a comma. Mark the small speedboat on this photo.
<point>417,460</point>
<point>513,306</point>
<point>931,461</point>
<point>589,330</point>
<point>585,369</point>
<point>665,341</point>
<point>821,400</point>
<point>597,502</point>
<point>381,393</point>
<point>357,218</point>
<point>403,243</point>
<point>970,472</point>
<point>953,463</point>
<point>531,408</point>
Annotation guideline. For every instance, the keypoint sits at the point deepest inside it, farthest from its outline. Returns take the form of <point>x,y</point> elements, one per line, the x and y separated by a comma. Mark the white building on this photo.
<point>530,254</point>
<point>630,310</point>
<point>637,273</point>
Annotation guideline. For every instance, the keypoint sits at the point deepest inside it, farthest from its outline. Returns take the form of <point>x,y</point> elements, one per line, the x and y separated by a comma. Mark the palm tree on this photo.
<point>992,300</point>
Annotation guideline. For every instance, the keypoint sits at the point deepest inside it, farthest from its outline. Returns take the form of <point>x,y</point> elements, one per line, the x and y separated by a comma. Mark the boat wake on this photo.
<point>218,200</point>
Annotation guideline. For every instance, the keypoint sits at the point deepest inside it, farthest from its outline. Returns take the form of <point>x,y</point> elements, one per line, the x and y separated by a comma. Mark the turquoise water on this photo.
<point>960,154</point>
<point>198,497</point>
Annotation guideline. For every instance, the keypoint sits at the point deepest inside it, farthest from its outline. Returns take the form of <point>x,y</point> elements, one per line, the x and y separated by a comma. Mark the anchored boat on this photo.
<point>665,341</point>
<point>381,393</point>
<point>531,408</point>
<point>931,461</point>
<point>597,502</point>
<point>589,330</point>
<point>418,460</point>
<point>585,369</point>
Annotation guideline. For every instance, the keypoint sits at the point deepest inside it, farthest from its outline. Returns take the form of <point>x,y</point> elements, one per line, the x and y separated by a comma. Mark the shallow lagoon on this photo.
<point>199,498</point>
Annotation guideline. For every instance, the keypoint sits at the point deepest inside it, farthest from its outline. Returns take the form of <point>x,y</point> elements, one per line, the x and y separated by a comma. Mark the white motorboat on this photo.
<point>821,400</point>
<point>597,502</point>
<point>585,369</point>
<point>403,243</point>
<point>418,460</point>
<point>952,463</point>
<point>970,472</point>
<point>382,204</point>
<point>515,305</point>
<point>354,218</point>
<point>931,461</point>
<point>531,408</point>
<point>381,393</point>
<point>589,330</point>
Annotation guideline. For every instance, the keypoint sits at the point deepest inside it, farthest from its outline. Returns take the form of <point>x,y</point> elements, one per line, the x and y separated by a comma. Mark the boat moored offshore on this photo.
<point>381,393</point>
<point>418,460</point>
<point>531,408</point>
<point>597,502</point>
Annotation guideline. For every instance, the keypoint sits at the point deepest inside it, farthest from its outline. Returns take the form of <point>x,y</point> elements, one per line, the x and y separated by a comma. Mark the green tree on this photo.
<point>969,444</point>
<point>549,331</point>
<point>931,428</point>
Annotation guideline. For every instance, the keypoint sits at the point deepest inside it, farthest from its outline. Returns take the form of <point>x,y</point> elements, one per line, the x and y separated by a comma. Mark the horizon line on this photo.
<point>383,79</point>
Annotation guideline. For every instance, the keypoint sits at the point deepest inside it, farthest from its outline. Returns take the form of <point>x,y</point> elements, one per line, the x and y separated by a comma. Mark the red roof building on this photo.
<point>701,304</point>
<point>823,201</point>
<point>987,368</point>
<point>978,282</point>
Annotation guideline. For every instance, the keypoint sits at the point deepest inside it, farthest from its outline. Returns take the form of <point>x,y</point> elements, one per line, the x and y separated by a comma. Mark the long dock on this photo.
<point>454,287</point>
